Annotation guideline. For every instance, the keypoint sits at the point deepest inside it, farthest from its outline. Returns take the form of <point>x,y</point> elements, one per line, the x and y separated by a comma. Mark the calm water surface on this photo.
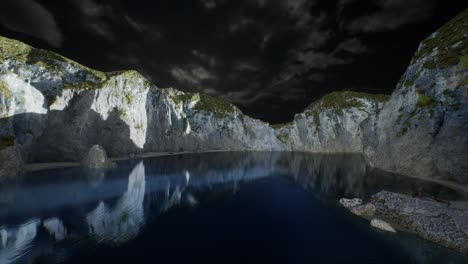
<point>239,207</point>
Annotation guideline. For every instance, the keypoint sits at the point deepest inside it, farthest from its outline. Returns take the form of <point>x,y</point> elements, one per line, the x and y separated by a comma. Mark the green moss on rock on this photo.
<point>6,141</point>
<point>13,49</point>
<point>429,64</point>
<point>425,101</point>
<point>464,60</point>
<point>279,126</point>
<point>339,101</point>
<point>449,41</point>
<point>283,138</point>
<point>218,107</point>
<point>4,90</point>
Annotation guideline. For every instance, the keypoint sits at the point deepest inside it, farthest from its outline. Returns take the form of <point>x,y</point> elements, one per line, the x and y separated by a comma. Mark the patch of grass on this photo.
<point>455,106</point>
<point>425,101</point>
<point>448,41</point>
<point>464,60</point>
<point>128,97</point>
<point>6,141</point>
<point>339,101</point>
<point>123,113</point>
<point>218,107</point>
<point>465,81</point>
<point>408,83</point>
<point>51,99</point>
<point>13,49</point>
<point>283,138</point>
<point>278,126</point>
<point>139,126</point>
<point>4,90</point>
<point>429,64</point>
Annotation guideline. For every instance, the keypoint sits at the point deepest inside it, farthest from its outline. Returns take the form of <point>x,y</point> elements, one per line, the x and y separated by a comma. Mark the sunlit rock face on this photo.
<point>56,109</point>
<point>422,130</point>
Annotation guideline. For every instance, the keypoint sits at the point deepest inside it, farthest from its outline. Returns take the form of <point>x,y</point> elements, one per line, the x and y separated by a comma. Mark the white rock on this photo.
<point>96,158</point>
<point>349,203</point>
<point>382,225</point>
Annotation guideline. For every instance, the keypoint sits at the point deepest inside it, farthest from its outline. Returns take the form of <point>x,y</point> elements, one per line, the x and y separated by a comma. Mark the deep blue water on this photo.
<point>209,208</point>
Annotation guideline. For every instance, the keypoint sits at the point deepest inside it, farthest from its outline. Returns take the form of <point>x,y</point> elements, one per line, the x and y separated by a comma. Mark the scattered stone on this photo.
<point>96,158</point>
<point>11,162</point>
<point>382,225</point>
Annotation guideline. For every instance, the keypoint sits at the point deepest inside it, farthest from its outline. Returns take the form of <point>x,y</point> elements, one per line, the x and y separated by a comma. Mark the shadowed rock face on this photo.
<point>422,129</point>
<point>56,109</point>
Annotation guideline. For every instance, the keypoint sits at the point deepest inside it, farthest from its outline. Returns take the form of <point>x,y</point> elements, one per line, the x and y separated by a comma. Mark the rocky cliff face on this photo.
<point>423,129</point>
<point>54,109</point>
<point>331,124</point>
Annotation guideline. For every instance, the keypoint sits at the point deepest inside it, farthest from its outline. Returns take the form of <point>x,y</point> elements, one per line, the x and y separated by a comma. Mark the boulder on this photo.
<point>96,158</point>
<point>382,225</point>
<point>11,162</point>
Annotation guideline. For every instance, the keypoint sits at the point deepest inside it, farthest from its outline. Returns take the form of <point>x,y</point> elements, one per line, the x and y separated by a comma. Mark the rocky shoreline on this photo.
<point>436,221</point>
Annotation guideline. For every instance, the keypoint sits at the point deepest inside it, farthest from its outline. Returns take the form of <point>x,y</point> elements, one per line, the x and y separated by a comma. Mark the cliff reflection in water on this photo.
<point>111,207</point>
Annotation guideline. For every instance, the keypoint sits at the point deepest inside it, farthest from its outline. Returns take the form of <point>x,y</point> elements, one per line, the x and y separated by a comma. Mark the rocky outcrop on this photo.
<point>422,129</point>
<point>55,109</point>
<point>96,158</point>
<point>432,220</point>
<point>331,124</point>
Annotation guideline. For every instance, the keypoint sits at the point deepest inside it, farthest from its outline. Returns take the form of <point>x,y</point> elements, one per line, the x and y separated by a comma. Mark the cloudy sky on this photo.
<point>269,57</point>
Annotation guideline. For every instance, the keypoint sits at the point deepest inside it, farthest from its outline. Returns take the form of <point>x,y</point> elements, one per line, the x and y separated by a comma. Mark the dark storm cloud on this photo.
<point>95,17</point>
<point>192,75</point>
<point>30,17</point>
<point>270,57</point>
<point>392,14</point>
<point>353,45</point>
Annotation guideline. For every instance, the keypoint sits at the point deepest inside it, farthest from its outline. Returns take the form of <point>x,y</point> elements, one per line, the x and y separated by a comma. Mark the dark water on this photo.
<point>212,208</point>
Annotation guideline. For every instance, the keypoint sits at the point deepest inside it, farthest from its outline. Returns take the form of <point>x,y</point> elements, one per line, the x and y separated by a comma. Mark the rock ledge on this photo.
<point>431,220</point>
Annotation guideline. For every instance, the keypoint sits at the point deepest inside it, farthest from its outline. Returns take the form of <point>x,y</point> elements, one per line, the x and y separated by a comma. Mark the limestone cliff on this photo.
<point>54,109</point>
<point>423,129</point>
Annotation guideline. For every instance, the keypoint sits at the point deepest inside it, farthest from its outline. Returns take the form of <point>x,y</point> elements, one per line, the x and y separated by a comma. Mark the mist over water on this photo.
<point>211,207</point>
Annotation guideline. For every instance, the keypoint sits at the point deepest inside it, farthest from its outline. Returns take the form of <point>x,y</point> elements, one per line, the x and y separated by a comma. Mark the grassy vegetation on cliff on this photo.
<point>13,49</point>
<point>338,101</point>
<point>449,41</point>
<point>4,89</point>
<point>279,126</point>
<point>217,106</point>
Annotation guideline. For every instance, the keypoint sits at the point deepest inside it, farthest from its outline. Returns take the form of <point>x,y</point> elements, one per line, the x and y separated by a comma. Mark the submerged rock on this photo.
<point>96,158</point>
<point>432,220</point>
<point>382,225</point>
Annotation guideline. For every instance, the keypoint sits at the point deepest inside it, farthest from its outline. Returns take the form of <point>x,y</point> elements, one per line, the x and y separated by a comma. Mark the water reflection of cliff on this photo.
<point>123,220</point>
<point>113,206</point>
